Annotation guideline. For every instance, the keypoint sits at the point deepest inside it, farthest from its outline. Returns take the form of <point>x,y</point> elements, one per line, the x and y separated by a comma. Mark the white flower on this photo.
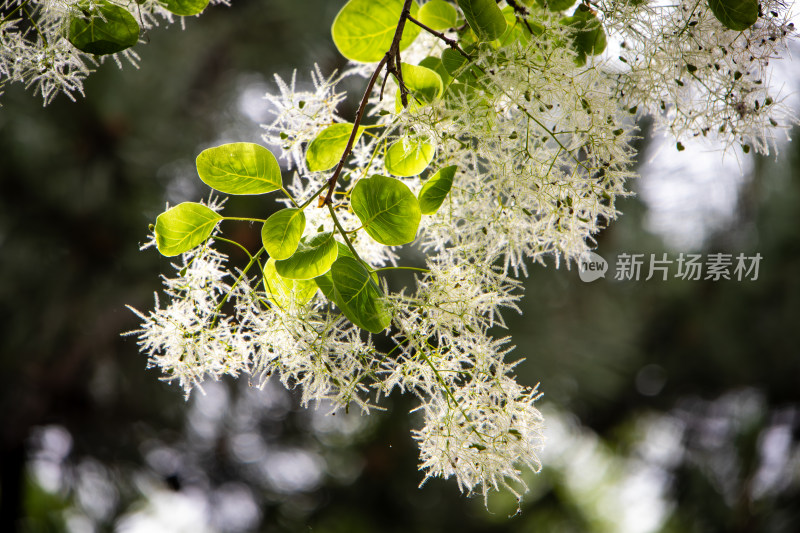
<point>35,51</point>
<point>301,114</point>
<point>481,433</point>
<point>188,338</point>
<point>698,78</point>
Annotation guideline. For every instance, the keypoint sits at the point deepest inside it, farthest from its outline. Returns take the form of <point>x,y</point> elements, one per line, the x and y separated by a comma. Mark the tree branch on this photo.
<point>450,42</point>
<point>359,115</point>
<point>391,60</point>
<point>521,12</point>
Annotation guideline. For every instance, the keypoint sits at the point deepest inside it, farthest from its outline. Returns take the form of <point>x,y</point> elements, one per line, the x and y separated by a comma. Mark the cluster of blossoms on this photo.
<point>680,65</point>
<point>43,48</point>
<point>538,135</point>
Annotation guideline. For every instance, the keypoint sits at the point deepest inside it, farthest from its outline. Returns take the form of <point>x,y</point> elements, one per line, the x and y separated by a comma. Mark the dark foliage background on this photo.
<point>672,406</point>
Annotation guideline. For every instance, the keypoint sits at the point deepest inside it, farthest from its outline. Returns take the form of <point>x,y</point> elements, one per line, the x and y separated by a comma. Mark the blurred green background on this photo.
<point>671,406</point>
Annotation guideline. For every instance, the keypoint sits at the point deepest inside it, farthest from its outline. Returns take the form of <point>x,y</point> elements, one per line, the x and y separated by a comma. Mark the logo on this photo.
<point>591,267</point>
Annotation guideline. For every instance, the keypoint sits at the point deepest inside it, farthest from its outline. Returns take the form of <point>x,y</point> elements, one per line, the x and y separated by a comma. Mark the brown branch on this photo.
<point>521,12</point>
<point>516,7</point>
<point>391,60</point>
<point>450,42</point>
<point>359,115</point>
<point>397,69</point>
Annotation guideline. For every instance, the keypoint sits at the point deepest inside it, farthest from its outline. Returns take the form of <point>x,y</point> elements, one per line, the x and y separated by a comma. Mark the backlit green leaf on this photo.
<point>435,190</point>
<point>327,148</point>
<point>484,17</point>
<point>516,30</point>
<point>183,227</point>
<point>314,257</point>
<point>424,84</point>
<point>438,15</point>
<point>239,168</point>
<point>387,208</point>
<point>363,29</point>
<point>344,251</point>
<point>456,65</point>
<point>102,28</point>
<point>735,14</point>
<point>435,64</point>
<point>556,5</point>
<point>282,291</point>
<point>350,286</point>
<point>452,61</point>
<point>281,233</point>
<point>588,36</point>
<point>409,156</point>
<point>185,8</point>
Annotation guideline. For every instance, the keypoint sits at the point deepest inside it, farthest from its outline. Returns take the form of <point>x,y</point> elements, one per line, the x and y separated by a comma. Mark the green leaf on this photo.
<point>516,30</point>
<point>185,8</point>
<point>435,64</point>
<point>424,84</point>
<point>484,17</point>
<point>102,28</point>
<point>327,148</point>
<point>314,257</point>
<point>438,15</point>
<point>239,168</point>
<point>350,286</point>
<point>282,291</point>
<point>282,231</point>
<point>363,29</point>
<point>183,227</point>
<point>387,208</point>
<point>735,14</point>
<point>452,61</point>
<point>469,92</point>
<point>434,191</point>
<point>556,5</point>
<point>456,65</point>
<point>588,36</point>
<point>344,251</point>
<point>409,156</point>
<point>466,37</point>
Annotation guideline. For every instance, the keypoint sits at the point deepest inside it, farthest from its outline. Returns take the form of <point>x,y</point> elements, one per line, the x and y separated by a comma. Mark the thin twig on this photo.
<point>391,60</point>
<point>521,12</point>
<point>361,109</point>
<point>450,42</point>
<point>347,241</point>
<point>395,50</point>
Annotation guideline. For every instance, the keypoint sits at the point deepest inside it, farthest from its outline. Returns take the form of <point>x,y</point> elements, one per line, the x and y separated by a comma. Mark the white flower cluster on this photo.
<point>188,339</point>
<point>196,337</point>
<point>541,169</point>
<point>696,77</point>
<point>542,144</point>
<point>35,50</point>
<point>298,115</point>
<point>480,425</point>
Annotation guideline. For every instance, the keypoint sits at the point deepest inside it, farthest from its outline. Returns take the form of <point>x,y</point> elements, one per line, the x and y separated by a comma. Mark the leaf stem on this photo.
<point>359,115</point>
<point>289,196</point>
<point>311,198</point>
<point>245,219</point>
<point>521,12</point>
<point>253,259</point>
<point>229,241</point>
<point>346,238</point>
<point>427,271</point>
